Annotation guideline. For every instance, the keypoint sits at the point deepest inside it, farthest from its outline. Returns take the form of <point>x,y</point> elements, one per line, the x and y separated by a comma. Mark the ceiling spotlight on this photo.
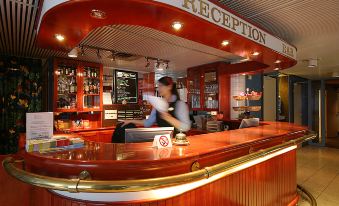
<point>225,43</point>
<point>74,52</point>
<point>59,37</point>
<point>111,56</point>
<point>157,64</point>
<point>255,53</point>
<point>243,74</point>
<point>177,25</point>
<point>276,69</point>
<point>147,62</point>
<point>312,63</point>
<point>277,61</point>
<point>98,54</point>
<point>98,14</point>
<point>82,53</point>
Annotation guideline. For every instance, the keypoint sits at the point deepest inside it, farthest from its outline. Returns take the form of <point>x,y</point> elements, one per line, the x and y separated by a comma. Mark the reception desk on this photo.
<point>252,166</point>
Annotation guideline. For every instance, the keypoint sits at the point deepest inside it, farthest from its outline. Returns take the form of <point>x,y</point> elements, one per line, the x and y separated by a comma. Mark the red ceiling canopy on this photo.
<point>208,23</point>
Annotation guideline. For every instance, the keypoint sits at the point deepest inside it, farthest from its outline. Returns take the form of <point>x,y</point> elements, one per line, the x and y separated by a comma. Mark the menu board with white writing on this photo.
<point>126,84</point>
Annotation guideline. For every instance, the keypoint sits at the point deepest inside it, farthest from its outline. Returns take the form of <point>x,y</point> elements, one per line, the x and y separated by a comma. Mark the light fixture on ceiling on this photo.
<point>98,54</point>
<point>82,53</point>
<point>157,65</point>
<point>98,14</point>
<point>225,43</point>
<point>112,56</point>
<point>74,52</point>
<point>277,61</point>
<point>177,25</point>
<point>244,74</point>
<point>312,63</point>
<point>276,69</point>
<point>255,53</point>
<point>59,37</point>
<point>147,62</point>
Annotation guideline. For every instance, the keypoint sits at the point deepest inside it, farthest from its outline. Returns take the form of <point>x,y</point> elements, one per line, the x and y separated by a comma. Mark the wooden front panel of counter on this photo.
<point>272,182</point>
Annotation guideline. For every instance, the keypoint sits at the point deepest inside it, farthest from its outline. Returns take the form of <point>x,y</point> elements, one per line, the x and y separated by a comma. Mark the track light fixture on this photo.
<point>98,54</point>
<point>147,62</point>
<point>82,53</point>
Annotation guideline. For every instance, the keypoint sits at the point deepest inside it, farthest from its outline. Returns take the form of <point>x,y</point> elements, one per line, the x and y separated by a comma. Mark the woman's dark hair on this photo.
<point>167,81</point>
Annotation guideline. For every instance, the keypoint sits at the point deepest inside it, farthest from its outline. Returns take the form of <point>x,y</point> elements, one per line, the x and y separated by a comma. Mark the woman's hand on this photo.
<point>166,116</point>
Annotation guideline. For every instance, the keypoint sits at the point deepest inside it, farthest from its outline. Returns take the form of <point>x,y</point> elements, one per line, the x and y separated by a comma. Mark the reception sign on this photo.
<point>215,14</point>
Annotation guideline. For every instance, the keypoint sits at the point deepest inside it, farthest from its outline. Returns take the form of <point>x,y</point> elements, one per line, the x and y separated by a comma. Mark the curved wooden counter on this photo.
<point>106,161</point>
<point>269,182</point>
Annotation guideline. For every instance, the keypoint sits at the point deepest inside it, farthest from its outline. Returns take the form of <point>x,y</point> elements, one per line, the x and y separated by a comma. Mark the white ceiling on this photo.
<point>311,25</point>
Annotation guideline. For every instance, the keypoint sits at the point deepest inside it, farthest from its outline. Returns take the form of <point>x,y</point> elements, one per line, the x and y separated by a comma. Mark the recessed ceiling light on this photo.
<point>277,61</point>
<point>177,25</point>
<point>98,14</point>
<point>276,69</point>
<point>255,53</point>
<point>243,74</point>
<point>225,43</point>
<point>59,37</point>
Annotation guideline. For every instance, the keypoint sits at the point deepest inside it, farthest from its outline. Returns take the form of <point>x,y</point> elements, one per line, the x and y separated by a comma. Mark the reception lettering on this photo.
<point>224,19</point>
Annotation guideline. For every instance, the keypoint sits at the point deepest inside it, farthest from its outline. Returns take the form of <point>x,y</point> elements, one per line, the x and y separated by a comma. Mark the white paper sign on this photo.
<point>39,125</point>
<point>111,114</point>
<point>162,141</point>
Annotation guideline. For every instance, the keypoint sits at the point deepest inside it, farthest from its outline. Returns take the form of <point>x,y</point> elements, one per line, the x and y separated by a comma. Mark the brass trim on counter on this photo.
<point>119,186</point>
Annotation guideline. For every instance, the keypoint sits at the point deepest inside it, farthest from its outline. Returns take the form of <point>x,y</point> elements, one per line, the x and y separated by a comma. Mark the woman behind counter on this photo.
<point>177,115</point>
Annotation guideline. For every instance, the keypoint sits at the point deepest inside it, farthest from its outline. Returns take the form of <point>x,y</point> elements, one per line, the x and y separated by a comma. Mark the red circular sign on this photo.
<point>163,140</point>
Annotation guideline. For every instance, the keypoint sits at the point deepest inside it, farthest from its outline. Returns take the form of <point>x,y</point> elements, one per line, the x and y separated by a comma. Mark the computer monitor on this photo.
<point>251,122</point>
<point>135,135</point>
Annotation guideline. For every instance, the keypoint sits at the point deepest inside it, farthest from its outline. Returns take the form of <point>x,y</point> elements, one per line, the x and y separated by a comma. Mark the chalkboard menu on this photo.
<point>126,84</point>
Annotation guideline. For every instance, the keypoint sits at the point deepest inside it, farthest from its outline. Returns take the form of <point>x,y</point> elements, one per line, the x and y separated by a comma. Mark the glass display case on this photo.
<point>203,89</point>
<point>77,86</point>
<point>211,90</point>
<point>67,87</point>
<point>91,88</point>
<point>194,80</point>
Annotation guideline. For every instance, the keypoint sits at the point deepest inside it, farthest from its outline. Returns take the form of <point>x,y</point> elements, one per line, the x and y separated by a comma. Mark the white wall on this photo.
<point>270,94</point>
<point>237,86</point>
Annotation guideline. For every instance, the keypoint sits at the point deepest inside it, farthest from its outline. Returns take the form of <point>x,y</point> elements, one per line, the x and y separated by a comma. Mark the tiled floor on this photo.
<point>318,172</point>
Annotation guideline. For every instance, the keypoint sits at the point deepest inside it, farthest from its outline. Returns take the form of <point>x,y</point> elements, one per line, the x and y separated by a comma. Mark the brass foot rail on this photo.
<point>117,186</point>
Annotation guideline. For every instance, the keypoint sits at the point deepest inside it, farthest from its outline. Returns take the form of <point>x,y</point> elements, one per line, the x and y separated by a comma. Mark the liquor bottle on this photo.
<point>89,72</point>
<point>94,88</point>
<point>86,87</point>
<point>95,73</point>
<point>66,70</point>
<point>90,87</point>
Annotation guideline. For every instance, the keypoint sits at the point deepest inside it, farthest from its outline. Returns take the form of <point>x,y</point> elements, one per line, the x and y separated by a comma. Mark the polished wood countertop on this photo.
<point>141,160</point>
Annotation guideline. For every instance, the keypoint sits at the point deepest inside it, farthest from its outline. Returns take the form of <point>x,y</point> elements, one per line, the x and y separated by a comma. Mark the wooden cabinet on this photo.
<point>77,86</point>
<point>206,91</point>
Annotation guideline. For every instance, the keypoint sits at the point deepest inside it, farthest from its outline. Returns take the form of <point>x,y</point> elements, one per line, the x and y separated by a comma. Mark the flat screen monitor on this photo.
<point>251,122</point>
<point>146,134</point>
